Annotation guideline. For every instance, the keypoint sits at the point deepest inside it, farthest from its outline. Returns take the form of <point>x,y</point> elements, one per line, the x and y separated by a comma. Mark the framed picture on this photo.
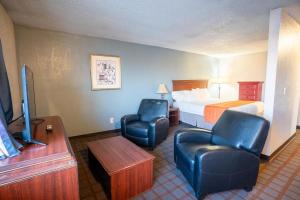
<point>105,72</point>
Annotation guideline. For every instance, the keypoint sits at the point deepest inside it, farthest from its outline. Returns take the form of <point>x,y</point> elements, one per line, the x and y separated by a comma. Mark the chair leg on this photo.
<point>248,189</point>
<point>151,148</point>
<point>201,197</point>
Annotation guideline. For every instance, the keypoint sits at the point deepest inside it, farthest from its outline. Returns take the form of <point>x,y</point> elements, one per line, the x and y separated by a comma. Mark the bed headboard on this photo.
<point>189,84</point>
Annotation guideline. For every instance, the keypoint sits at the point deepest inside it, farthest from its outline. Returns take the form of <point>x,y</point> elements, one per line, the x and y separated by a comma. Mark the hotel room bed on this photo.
<point>197,108</point>
<point>192,110</point>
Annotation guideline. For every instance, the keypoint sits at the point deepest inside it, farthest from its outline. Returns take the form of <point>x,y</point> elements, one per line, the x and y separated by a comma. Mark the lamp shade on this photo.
<point>162,89</point>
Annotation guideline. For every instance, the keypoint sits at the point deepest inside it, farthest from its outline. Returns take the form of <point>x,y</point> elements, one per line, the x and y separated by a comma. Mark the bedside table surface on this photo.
<point>173,109</point>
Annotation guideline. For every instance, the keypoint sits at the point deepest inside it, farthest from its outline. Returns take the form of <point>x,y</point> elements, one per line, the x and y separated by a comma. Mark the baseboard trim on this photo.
<point>93,134</point>
<point>275,153</point>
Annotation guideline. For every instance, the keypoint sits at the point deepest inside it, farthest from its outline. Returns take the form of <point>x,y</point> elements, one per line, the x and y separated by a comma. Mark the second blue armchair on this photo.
<point>150,125</point>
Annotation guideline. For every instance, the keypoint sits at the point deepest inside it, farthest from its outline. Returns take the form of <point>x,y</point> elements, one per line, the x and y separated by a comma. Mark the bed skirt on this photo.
<point>199,121</point>
<point>194,120</point>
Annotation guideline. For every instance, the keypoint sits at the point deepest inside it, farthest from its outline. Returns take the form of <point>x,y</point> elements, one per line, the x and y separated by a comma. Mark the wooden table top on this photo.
<point>36,159</point>
<point>117,153</point>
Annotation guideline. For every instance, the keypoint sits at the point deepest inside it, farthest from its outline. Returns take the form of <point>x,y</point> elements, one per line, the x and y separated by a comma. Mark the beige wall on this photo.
<point>282,88</point>
<point>7,36</point>
<point>299,116</point>
<point>61,67</point>
<point>248,67</point>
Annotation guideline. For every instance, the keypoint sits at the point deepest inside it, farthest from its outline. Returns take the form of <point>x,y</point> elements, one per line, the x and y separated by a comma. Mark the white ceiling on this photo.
<point>202,26</point>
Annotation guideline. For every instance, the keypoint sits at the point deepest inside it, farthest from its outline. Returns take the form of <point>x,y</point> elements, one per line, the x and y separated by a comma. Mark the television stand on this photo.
<point>33,141</point>
<point>41,171</point>
<point>19,138</point>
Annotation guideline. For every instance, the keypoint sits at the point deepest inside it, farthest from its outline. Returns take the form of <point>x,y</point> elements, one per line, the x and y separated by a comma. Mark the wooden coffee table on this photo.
<point>123,168</point>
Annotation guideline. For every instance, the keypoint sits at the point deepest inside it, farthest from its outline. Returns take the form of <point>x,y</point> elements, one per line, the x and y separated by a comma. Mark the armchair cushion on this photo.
<point>187,152</point>
<point>137,129</point>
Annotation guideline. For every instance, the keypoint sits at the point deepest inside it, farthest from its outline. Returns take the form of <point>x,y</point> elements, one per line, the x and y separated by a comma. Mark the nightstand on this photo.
<point>173,116</point>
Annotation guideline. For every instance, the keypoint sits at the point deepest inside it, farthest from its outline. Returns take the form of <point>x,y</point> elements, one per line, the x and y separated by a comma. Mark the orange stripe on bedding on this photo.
<point>213,112</point>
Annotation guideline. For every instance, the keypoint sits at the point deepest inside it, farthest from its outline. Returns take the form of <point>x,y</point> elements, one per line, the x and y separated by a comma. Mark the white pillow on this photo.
<point>200,94</point>
<point>181,95</point>
<point>194,95</point>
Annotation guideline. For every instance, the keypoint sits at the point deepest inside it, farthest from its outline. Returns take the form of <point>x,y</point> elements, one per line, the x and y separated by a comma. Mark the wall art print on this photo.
<point>105,72</point>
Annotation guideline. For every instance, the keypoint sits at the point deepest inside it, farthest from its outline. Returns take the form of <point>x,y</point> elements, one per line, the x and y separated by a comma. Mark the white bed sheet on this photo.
<point>256,108</point>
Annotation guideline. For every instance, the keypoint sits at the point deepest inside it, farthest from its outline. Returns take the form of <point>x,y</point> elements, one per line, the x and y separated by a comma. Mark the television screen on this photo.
<point>8,146</point>
<point>5,96</point>
<point>31,94</point>
<point>28,104</point>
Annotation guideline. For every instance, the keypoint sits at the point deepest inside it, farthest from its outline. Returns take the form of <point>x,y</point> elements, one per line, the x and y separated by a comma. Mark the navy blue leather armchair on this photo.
<point>150,125</point>
<point>226,157</point>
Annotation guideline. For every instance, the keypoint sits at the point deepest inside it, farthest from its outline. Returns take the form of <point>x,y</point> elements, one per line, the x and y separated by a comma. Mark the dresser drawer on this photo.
<point>250,91</point>
<point>249,97</point>
<point>247,87</point>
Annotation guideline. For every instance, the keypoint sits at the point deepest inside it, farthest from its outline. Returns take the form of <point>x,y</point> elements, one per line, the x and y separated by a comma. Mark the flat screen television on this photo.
<point>5,95</point>
<point>28,105</point>
<point>8,146</point>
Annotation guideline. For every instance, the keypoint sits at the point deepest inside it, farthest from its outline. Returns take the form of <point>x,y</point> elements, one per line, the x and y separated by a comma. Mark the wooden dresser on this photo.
<point>250,90</point>
<point>41,172</point>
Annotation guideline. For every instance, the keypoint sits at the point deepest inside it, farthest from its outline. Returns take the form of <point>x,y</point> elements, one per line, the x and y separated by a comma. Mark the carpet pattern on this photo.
<point>278,179</point>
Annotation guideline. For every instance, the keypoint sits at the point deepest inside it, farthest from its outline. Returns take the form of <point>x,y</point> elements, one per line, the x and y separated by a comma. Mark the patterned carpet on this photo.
<point>278,179</point>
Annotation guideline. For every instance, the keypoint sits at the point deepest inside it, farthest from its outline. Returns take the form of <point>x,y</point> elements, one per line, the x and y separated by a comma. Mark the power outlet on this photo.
<point>112,120</point>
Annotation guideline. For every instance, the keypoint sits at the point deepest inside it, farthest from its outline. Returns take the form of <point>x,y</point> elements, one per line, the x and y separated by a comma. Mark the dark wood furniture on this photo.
<point>251,90</point>
<point>189,84</point>
<point>41,172</point>
<point>123,168</point>
<point>173,116</point>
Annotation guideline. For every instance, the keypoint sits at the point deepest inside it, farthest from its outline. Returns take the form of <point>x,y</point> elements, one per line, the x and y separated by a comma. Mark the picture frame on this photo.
<point>105,72</point>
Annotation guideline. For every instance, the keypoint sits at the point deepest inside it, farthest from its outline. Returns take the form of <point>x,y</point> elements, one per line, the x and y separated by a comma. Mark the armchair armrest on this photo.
<point>195,135</point>
<point>192,135</point>
<point>132,117</point>
<point>158,121</point>
<point>219,162</point>
<point>158,130</point>
<point>229,159</point>
<point>128,118</point>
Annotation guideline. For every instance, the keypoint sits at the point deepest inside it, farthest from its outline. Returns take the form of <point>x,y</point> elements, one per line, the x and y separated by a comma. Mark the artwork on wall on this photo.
<point>105,72</point>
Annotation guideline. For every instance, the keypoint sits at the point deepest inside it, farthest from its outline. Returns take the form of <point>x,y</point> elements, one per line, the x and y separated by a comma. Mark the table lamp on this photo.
<point>162,89</point>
